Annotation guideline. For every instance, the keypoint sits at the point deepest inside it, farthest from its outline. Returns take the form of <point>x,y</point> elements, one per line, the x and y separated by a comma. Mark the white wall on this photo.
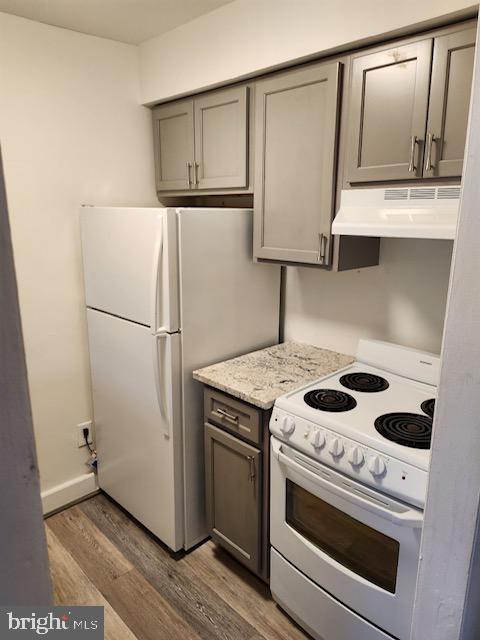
<point>72,132</point>
<point>402,300</point>
<point>247,36</point>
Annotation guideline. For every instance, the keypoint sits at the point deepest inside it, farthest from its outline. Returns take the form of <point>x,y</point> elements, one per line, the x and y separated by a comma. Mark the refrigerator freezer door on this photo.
<point>130,264</point>
<point>136,396</point>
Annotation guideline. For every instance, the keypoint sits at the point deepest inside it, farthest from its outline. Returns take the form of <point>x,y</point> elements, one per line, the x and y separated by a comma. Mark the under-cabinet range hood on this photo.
<point>415,212</point>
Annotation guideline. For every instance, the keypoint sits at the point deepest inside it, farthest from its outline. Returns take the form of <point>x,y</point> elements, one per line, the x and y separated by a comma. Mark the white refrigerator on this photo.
<point>167,291</point>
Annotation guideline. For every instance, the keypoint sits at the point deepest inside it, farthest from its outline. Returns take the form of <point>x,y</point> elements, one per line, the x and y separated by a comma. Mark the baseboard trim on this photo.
<point>64,494</point>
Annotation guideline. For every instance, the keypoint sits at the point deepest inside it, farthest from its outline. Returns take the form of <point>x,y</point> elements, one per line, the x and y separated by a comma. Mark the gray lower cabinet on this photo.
<point>387,113</point>
<point>450,89</point>
<point>237,479</point>
<point>296,122</point>
<point>234,490</point>
<point>202,143</point>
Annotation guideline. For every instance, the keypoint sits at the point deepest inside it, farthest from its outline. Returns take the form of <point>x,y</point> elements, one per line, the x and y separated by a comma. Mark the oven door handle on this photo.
<point>411,517</point>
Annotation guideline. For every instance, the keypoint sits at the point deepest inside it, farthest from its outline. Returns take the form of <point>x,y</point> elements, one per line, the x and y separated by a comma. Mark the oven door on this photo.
<point>357,544</point>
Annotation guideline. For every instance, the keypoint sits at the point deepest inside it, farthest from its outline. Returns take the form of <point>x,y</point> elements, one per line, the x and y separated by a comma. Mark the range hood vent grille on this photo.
<point>448,193</point>
<point>427,193</point>
<point>396,194</point>
<point>422,193</point>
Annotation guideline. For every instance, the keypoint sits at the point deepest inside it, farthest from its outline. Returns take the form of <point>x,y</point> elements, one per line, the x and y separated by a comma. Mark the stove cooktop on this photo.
<point>371,421</point>
<point>381,410</point>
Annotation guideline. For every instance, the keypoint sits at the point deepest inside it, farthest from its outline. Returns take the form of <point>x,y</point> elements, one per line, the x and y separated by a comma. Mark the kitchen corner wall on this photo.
<point>402,300</point>
<point>72,132</point>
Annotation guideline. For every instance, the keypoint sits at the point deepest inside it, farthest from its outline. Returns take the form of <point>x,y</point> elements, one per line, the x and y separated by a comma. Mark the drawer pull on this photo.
<point>228,416</point>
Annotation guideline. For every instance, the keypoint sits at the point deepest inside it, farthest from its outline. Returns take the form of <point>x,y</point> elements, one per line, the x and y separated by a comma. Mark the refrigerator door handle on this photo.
<point>161,386</point>
<point>156,278</point>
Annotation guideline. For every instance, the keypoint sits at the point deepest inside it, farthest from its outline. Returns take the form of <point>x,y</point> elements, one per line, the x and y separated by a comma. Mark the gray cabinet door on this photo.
<point>388,112</point>
<point>173,141</point>
<point>233,485</point>
<point>296,119</point>
<point>221,139</point>
<point>451,83</point>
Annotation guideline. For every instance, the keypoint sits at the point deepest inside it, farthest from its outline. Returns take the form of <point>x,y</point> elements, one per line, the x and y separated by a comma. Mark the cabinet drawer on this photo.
<point>233,415</point>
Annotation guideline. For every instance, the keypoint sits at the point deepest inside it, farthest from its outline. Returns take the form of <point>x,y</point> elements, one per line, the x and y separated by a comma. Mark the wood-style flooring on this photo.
<point>100,556</point>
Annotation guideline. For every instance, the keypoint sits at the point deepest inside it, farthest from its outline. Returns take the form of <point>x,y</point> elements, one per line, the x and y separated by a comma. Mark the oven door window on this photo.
<point>356,546</point>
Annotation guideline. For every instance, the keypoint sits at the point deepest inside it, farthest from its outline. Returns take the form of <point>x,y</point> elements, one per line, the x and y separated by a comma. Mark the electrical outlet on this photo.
<point>80,437</point>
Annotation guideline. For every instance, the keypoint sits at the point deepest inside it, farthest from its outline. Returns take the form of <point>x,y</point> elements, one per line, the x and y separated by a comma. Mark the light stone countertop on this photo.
<point>262,376</point>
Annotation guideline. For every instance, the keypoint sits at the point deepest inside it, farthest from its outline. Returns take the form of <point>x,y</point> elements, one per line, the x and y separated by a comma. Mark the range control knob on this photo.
<point>336,447</point>
<point>287,425</point>
<point>376,466</point>
<point>317,438</point>
<point>355,456</point>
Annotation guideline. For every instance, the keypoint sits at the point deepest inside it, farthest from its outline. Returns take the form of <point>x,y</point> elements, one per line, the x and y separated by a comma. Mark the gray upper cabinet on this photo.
<point>408,109</point>
<point>296,120</point>
<point>387,113</point>
<point>221,139</point>
<point>449,103</point>
<point>174,146</point>
<point>202,143</point>
<point>234,484</point>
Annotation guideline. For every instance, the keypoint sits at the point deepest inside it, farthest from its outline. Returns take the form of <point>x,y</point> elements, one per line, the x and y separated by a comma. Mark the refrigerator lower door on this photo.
<point>130,264</point>
<point>136,397</point>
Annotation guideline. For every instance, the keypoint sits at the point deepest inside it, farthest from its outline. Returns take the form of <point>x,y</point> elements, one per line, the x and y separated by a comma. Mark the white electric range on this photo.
<point>349,471</point>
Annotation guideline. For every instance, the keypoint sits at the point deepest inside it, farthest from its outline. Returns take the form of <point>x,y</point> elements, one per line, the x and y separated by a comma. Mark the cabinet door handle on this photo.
<point>228,416</point>
<point>189,177</point>
<point>195,174</point>
<point>251,472</point>
<point>428,154</point>
<point>411,165</point>
<point>322,248</point>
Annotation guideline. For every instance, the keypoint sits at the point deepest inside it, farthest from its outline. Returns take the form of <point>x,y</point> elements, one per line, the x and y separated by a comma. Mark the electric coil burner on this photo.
<point>408,429</point>
<point>330,400</point>
<point>365,382</point>
<point>428,407</point>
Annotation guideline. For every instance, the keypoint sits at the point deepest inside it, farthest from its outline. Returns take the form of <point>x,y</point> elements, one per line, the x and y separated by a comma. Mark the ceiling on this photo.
<point>131,21</point>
